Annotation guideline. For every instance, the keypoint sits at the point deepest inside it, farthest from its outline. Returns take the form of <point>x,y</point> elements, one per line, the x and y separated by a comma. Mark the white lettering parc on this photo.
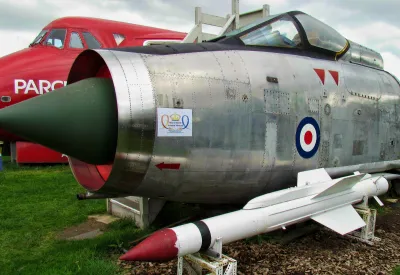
<point>38,87</point>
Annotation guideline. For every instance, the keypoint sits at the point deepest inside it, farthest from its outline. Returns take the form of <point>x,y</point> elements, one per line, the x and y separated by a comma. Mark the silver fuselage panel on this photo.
<point>243,141</point>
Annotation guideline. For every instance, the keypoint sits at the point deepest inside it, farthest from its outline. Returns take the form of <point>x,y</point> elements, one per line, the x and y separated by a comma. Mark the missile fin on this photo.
<point>378,201</point>
<point>342,220</point>
<point>342,185</point>
<point>312,177</point>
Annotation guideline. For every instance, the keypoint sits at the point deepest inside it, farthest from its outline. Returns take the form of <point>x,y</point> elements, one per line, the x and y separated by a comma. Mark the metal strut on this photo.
<point>211,260</point>
<point>367,233</point>
<point>229,23</point>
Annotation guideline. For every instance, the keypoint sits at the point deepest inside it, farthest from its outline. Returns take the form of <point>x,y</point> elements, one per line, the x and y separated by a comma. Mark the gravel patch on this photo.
<point>321,252</point>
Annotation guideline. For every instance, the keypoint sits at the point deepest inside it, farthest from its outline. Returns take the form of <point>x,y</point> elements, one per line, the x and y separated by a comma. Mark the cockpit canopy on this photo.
<point>291,30</point>
<point>321,35</point>
<point>298,30</point>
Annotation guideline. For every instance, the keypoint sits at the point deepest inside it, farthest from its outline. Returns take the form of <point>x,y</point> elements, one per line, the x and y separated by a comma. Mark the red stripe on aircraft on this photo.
<point>335,76</point>
<point>321,75</point>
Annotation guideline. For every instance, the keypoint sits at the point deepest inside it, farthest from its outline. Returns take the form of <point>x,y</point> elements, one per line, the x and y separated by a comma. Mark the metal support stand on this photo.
<point>230,22</point>
<point>13,152</point>
<point>142,210</point>
<point>367,233</point>
<point>211,260</point>
<point>195,263</point>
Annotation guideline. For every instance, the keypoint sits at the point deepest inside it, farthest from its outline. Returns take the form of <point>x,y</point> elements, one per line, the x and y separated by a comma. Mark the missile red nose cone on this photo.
<point>159,247</point>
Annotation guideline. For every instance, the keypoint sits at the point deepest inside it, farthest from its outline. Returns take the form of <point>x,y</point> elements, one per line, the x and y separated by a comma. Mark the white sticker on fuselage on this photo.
<point>174,122</point>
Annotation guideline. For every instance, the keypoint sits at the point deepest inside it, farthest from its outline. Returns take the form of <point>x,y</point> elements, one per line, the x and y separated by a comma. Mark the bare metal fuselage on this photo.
<point>246,107</point>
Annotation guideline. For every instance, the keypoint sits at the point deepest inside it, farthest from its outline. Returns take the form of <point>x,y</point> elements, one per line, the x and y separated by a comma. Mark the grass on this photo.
<point>37,203</point>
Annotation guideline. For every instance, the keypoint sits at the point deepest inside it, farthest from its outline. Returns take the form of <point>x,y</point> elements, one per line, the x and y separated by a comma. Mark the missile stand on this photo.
<point>367,233</point>
<point>212,260</point>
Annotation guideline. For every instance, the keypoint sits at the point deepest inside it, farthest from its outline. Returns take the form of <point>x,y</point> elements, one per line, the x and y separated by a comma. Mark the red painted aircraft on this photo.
<point>44,66</point>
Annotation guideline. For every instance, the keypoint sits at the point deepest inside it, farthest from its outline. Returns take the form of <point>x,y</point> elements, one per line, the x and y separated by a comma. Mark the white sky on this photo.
<point>375,24</point>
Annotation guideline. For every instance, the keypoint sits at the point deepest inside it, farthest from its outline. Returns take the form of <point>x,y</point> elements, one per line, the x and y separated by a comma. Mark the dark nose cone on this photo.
<point>79,120</point>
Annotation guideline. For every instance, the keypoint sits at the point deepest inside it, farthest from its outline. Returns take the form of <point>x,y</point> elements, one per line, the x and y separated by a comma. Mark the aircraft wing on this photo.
<point>343,220</point>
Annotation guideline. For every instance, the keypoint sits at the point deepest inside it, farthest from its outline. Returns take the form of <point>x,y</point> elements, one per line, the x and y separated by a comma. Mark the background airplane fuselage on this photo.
<point>42,68</point>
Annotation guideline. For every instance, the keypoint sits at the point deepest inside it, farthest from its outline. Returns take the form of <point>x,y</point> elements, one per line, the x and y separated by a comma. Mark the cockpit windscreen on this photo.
<point>39,37</point>
<point>321,35</point>
<point>284,31</point>
<point>56,38</point>
<point>280,33</point>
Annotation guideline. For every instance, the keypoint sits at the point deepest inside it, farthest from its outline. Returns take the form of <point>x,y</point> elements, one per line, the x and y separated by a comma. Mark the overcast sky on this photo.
<point>373,23</point>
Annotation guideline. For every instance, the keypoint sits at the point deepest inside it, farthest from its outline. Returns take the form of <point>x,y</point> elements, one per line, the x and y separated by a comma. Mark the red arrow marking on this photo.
<point>335,76</point>
<point>171,166</point>
<point>321,75</point>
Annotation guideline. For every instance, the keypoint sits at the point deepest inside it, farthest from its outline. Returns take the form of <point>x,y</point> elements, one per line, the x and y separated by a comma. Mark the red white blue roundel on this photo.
<point>307,137</point>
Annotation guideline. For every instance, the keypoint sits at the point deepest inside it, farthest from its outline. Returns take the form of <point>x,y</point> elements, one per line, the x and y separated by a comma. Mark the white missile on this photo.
<point>317,196</point>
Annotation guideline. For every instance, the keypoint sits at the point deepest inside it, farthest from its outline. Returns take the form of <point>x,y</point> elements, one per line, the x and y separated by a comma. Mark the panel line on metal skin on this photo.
<point>154,179</point>
<point>237,103</point>
<point>136,160</point>
<point>125,136</point>
<point>244,65</point>
<point>176,153</point>
<point>136,120</point>
<point>178,92</point>
<point>122,95</point>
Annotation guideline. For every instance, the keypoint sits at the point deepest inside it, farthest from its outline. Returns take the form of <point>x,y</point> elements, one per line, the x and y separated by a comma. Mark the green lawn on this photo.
<point>36,204</point>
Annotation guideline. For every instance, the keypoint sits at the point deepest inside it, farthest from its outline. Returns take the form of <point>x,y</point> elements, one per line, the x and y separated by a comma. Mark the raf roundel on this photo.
<point>307,137</point>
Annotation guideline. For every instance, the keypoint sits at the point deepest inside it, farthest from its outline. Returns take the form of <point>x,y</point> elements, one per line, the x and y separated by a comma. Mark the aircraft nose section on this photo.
<point>6,87</point>
<point>79,120</point>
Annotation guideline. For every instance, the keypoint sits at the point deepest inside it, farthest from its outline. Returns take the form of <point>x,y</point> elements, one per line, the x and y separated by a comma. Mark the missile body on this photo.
<point>329,203</point>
